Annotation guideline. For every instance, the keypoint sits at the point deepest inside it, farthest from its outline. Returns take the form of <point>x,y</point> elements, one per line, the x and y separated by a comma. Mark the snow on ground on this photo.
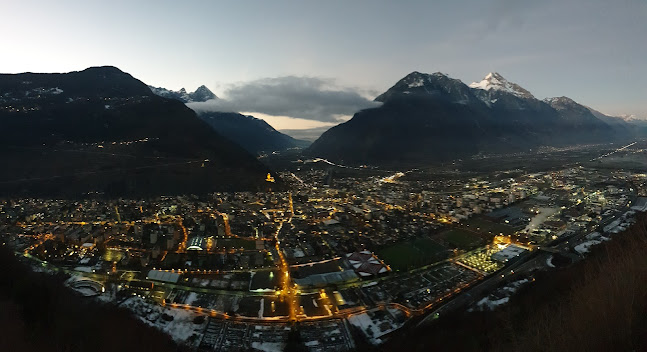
<point>41,268</point>
<point>85,269</point>
<point>622,223</point>
<point>492,304</point>
<point>374,328</point>
<point>262,308</point>
<point>268,346</point>
<point>110,295</point>
<point>612,225</point>
<point>180,328</point>
<point>190,298</point>
<point>593,238</point>
<point>585,247</point>
<point>544,214</point>
<point>500,296</point>
<point>200,282</point>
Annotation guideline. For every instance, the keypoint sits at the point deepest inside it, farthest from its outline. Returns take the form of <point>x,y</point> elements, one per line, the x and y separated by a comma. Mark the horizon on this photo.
<point>586,50</point>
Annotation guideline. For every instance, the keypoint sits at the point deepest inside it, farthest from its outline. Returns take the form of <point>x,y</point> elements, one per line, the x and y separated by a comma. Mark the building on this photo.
<point>508,254</point>
<point>366,264</point>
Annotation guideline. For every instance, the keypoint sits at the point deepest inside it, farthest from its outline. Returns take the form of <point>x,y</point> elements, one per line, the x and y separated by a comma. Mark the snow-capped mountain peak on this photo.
<point>200,95</point>
<point>494,81</point>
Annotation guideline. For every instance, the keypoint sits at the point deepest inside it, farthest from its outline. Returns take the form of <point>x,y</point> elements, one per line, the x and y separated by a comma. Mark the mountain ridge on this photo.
<point>201,94</point>
<point>253,134</point>
<point>436,118</point>
<point>102,131</point>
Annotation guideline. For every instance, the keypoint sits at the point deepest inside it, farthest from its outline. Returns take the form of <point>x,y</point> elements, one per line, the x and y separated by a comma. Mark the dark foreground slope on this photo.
<point>101,130</point>
<point>38,313</point>
<point>598,304</point>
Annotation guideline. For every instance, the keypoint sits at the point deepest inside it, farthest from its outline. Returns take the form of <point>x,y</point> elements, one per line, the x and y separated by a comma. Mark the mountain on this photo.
<point>101,130</point>
<point>255,135</point>
<point>436,85</point>
<point>493,83</point>
<point>617,121</point>
<point>435,118</point>
<point>633,124</point>
<point>581,119</point>
<point>201,94</point>
<point>631,118</point>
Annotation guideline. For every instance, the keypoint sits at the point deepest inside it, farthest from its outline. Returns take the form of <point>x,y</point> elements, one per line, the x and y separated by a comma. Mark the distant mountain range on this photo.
<point>102,131</point>
<point>253,134</point>
<point>200,95</point>
<point>433,117</point>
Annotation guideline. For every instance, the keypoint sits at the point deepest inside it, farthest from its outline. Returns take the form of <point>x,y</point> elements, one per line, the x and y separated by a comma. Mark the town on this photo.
<point>345,256</point>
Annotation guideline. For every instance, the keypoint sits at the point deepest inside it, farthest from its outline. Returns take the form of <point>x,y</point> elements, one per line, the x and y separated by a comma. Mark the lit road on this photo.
<point>613,152</point>
<point>288,291</point>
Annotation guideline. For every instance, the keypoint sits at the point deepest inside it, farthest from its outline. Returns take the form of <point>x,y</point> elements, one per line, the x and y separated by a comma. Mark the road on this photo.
<point>288,290</point>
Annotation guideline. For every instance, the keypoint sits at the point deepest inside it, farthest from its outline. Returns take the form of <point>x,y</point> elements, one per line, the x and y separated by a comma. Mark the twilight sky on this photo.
<point>323,60</point>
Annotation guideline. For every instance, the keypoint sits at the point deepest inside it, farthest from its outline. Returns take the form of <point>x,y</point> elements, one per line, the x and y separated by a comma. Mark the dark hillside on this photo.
<point>38,313</point>
<point>598,304</point>
<point>101,130</point>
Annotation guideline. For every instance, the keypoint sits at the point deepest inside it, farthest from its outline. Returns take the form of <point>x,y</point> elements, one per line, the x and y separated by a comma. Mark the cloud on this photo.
<point>307,98</point>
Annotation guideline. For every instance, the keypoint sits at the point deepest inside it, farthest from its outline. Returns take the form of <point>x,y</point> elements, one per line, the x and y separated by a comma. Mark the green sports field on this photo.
<point>412,254</point>
<point>462,239</point>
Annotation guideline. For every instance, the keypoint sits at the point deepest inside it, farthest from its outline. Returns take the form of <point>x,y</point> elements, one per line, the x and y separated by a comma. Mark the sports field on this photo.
<point>462,239</point>
<point>412,254</point>
<point>488,227</point>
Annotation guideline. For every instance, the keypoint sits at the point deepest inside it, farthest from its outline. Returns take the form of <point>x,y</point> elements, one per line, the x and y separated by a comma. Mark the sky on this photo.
<point>309,64</point>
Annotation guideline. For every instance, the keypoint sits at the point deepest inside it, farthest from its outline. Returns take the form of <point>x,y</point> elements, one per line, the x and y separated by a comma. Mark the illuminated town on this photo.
<point>342,257</point>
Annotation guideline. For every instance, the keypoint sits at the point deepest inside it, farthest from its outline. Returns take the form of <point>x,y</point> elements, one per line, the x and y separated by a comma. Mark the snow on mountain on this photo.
<point>632,118</point>
<point>495,82</point>
<point>417,79</point>
<point>435,85</point>
<point>563,103</point>
<point>201,94</point>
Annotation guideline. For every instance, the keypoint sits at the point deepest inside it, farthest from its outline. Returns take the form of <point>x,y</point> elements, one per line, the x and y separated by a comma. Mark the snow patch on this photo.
<point>494,81</point>
<point>585,247</point>
<point>374,328</point>
<point>500,296</point>
<point>268,346</point>
<point>192,297</point>
<point>180,328</point>
<point>419,82</point>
